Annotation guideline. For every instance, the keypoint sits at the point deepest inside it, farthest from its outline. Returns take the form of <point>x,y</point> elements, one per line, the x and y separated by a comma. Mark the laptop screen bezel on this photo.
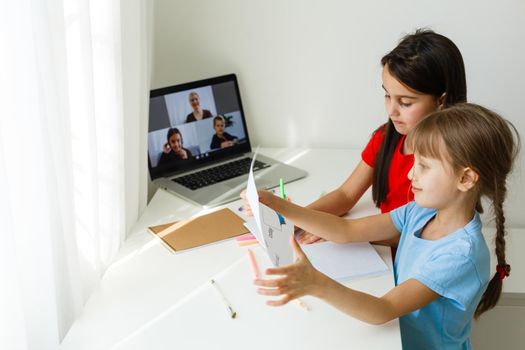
<point>194,163</point>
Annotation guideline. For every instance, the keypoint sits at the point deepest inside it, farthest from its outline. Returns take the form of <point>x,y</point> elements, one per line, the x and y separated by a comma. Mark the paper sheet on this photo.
<point>340,261</point>
<point>273,231</point>
<point>345,261</point>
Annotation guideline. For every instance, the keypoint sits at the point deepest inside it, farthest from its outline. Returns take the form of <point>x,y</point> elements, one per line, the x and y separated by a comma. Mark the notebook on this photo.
<point>195,232</point>
<point>198,143</point>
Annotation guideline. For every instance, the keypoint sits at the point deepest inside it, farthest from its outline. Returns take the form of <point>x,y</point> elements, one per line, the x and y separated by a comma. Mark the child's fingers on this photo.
<point>297,248</point>
<point>298,231</point>
<point>301,237</point>
<point>245,205</point>
<point>271,292</point>
<point>279,302</point>
<point>273,283</point>
<point>243,195</point>
<point>283,270</point>
<point>309,238</point>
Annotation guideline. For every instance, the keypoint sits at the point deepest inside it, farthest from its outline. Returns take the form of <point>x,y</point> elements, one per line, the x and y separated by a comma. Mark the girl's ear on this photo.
<point>468,179</point>
<point>441,100</point>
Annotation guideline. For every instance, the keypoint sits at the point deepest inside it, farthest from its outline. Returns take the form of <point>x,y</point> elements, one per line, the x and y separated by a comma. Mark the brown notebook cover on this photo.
<point>205,229</point>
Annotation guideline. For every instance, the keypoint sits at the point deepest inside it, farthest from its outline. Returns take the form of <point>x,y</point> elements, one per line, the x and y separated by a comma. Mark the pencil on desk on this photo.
<point>253,263</point>
<point>225,301</point>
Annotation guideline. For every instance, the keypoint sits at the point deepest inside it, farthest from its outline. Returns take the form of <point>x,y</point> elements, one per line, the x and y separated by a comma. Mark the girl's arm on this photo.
<point>331,227</point>
<point>406,297</point>
<point>342,199</point>
<point>301,278</point>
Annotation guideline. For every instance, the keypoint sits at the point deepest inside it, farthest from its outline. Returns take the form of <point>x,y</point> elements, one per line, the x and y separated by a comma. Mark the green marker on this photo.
<point>281,185</point>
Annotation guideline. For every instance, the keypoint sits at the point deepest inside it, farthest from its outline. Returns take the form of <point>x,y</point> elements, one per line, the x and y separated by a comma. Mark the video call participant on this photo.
<point>198,113</point>
<point>221,139</point>
<point>173,149</point>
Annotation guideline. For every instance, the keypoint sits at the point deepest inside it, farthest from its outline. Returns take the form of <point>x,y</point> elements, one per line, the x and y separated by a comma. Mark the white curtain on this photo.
<point>70,183</point>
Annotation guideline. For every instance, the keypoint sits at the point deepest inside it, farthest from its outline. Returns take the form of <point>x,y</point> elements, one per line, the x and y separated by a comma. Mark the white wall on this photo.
<point>309,70</point>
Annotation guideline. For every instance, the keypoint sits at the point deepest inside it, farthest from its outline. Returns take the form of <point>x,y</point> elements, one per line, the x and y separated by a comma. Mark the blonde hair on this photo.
<point>193,93</point>
<point>469,135</point>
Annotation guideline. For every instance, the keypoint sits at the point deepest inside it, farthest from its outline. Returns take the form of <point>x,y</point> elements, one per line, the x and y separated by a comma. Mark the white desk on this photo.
<point>142,301</point>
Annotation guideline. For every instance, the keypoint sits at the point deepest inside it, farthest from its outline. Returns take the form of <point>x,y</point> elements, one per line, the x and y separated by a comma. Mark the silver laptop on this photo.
<point>198,144</point>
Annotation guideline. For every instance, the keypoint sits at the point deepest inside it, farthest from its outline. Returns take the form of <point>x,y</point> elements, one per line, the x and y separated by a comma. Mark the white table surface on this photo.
<point>151,298</point>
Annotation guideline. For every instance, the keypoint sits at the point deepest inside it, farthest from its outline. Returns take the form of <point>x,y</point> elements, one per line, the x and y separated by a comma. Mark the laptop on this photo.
<point>198,143</point>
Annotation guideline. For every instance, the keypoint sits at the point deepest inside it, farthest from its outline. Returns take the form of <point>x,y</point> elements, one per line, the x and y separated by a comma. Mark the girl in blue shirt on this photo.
<point>442,264</point>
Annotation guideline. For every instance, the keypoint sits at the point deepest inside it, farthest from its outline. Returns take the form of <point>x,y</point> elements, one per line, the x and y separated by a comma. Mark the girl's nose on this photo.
<point>392,109</point>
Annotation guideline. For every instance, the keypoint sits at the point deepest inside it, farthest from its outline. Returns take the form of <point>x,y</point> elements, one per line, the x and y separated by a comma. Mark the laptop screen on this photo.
<point>194,124</point>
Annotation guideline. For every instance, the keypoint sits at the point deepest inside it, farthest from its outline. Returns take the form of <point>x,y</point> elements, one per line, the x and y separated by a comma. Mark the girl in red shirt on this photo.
<point>423,73</point>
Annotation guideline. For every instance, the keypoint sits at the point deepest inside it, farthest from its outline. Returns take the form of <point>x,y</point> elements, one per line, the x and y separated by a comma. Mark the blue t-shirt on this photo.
<point>455,266</point>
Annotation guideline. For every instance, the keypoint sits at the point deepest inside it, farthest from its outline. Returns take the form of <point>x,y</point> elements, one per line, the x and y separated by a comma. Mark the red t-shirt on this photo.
<point>398,184</point>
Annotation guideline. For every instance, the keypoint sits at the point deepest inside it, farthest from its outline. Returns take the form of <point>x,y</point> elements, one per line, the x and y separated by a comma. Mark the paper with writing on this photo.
<point>273,231</point>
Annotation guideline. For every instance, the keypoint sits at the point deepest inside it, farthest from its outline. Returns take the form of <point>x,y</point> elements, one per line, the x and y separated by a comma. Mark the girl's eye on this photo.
<point>405,105</point>
<point>387,96</point>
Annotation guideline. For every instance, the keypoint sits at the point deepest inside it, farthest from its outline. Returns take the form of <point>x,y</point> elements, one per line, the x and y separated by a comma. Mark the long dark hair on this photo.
<point>480,139</point>
<point>429,63</point>
<point>173,131</point>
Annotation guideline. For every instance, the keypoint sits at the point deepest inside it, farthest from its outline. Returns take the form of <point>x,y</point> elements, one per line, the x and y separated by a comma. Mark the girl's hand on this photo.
<point>265,197</point>
<point>245,205</point>
<point>166,149</point>
<point>297,279</point>
<point>226,144</point>
<point>304,237</point>
<point>182,153</point>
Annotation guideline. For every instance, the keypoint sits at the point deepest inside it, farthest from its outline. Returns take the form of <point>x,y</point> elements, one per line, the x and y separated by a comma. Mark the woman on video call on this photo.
<point>198,113</point>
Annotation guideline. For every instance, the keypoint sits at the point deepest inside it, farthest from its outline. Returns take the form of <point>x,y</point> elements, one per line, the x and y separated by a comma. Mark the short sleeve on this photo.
<point>400,215</point>
<point>452,276</point>
<point>372,148</point>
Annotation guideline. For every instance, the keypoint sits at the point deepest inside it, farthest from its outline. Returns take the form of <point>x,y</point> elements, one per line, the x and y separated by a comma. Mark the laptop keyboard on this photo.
<point>219,173</point>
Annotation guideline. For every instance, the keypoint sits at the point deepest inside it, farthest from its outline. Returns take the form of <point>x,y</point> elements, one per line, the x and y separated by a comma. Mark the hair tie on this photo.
<point>503,271</point>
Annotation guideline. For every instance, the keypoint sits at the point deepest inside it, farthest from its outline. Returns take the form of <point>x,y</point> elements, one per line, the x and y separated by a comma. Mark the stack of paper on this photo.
<point>246,239</point>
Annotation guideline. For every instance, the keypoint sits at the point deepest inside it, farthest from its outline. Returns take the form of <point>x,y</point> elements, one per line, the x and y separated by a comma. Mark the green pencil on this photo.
<point>281,185</point>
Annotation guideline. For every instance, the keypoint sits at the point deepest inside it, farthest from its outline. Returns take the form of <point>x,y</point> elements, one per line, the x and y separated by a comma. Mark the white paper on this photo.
<point>274,231</point>
<point>345,261</point>
<point>254,230</point>
<point>276,236</point>
<point>253,197</point>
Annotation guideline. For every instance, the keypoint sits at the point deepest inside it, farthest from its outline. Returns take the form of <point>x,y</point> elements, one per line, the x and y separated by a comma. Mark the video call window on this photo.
<point>193,124</point>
